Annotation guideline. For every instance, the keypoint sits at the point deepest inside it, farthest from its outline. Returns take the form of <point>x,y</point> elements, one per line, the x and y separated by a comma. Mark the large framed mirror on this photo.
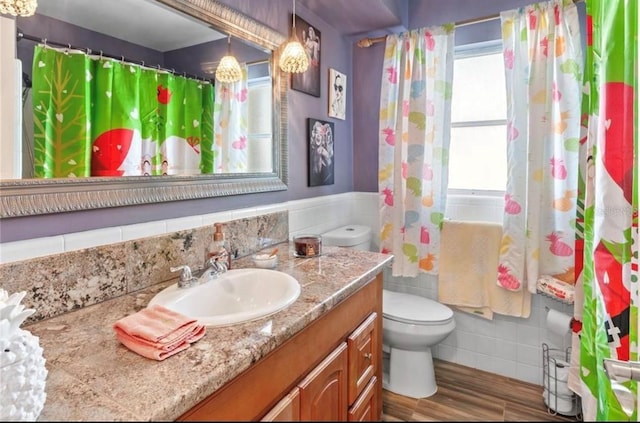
<point>217,29</point>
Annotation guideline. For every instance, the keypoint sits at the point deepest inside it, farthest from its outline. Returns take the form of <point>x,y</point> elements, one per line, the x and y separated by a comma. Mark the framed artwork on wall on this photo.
<point>309,80</point>
<point>321,160</point>
<point>337,94</point>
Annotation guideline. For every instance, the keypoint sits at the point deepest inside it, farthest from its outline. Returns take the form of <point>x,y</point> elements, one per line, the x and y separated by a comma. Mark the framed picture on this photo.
<point>321,160</point>
<point>337,94</point>
<point>309,80</point>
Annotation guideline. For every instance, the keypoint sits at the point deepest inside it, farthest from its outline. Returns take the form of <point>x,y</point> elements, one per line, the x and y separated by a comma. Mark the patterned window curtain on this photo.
<point>415,121</point>
<point>607,286</point>
<point>230,113</point>
<point>95,116</point>
<point>543,66</point>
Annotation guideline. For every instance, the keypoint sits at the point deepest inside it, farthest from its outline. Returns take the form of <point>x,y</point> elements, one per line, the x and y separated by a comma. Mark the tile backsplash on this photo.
<point>59,283</point>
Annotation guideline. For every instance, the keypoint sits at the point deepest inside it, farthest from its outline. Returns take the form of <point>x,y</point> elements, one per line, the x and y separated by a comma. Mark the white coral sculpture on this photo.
<point>22,371</point>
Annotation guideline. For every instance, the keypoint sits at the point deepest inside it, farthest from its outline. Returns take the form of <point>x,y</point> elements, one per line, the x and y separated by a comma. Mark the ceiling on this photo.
<point>351,17</point>
<point>153,25</point>
<point>142,22</point>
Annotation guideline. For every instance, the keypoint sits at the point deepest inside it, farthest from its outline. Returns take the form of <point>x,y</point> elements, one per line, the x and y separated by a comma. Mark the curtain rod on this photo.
<point>368,42</point>
<point>20,35</point>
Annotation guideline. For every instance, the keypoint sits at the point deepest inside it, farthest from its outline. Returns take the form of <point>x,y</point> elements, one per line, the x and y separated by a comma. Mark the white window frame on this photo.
<point>461,52</point>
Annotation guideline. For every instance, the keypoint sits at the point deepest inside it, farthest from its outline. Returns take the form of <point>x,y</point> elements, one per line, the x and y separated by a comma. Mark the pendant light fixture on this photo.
<point>228,69</point>
<point>18,7</point>
<point>294,58</point>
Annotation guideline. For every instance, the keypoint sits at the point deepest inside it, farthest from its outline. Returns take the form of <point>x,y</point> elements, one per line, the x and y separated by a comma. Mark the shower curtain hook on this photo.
<point>45,42</point>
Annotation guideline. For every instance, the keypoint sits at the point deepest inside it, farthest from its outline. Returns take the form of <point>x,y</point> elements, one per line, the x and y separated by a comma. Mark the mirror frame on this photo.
<point>42,196</point>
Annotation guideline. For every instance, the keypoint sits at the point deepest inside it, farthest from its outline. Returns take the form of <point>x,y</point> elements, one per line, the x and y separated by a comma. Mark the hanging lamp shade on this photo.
<point>228,69</point>
<point>294,58</point>
<point>18,7</point>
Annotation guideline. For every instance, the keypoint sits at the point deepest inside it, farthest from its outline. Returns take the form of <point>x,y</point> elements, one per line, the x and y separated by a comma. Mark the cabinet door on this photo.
<point>287,410</point>
<point>363,355</point>
<point>323,393</point>
<point>366,406</point>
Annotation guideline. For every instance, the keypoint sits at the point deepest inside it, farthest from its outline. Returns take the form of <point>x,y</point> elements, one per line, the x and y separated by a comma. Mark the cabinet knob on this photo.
<point>368,356</point>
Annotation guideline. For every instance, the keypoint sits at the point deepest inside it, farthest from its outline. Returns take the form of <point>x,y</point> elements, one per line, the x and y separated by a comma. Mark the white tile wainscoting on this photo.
<point>507,346</point>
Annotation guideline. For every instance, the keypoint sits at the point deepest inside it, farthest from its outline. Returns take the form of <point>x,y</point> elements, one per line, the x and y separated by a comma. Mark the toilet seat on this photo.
<point>413,309</point>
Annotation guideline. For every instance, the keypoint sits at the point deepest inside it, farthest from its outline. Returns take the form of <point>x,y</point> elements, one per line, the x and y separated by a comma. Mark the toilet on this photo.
<point>352,236</point>
<point>411,325</point>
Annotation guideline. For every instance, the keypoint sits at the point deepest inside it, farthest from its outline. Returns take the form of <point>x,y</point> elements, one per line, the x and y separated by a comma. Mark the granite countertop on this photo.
<point>94,377</point>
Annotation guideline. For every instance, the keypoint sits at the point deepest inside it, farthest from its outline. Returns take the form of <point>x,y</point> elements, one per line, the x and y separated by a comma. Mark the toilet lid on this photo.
<point>413,309</point>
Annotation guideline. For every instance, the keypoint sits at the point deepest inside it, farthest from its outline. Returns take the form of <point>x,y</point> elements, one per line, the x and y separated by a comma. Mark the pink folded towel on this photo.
<point>157,332</point>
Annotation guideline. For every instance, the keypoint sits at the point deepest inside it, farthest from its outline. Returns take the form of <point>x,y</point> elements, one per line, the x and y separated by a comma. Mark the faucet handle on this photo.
<point>222,264</point>
<point>186,277</point>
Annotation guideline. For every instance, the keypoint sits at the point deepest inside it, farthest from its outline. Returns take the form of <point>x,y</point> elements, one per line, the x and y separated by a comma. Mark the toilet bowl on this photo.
<point>411,325</point>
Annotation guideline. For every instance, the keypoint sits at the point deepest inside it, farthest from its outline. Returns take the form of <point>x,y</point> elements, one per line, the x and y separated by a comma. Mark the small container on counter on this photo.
<point>265,260</point>
<point>307,245</point>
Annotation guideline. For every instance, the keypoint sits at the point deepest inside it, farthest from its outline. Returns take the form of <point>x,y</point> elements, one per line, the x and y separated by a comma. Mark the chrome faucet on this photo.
<point>213,267</point>
<point>187,279</point>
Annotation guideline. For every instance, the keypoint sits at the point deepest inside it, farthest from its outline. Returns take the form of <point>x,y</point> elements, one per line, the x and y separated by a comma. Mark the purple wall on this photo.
<point>190,59</point>
<point>61,32</point>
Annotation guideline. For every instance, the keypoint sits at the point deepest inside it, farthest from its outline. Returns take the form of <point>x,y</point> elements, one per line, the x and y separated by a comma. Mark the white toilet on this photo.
<point>411,325</point>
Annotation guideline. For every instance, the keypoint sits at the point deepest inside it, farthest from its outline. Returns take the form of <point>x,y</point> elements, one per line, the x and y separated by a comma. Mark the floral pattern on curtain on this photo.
<point>230,113</point>
<point>415,122</point>
<point>543,68</point>
<point>95,116</point>
<point>607,291</point>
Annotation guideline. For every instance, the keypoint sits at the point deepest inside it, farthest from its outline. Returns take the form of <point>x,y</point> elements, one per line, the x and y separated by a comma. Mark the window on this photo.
<point>260,134</point>
<point>477,153</point>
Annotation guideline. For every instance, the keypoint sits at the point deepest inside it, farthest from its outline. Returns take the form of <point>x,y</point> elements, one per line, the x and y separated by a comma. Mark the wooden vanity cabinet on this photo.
<point>323,393</point>
<point>331,370</point>
<point>365,408</point>
<point>287,410</point>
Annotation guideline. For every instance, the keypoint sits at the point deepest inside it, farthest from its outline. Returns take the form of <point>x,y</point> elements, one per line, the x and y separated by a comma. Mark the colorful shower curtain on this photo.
<point>607,290</point>
<point>231,126</point>
<point>415,121</point>
<point>95,116</point>
<point>543,66</point>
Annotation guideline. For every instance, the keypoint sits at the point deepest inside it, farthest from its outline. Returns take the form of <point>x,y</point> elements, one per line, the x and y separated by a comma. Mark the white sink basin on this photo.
<point>236,296</point>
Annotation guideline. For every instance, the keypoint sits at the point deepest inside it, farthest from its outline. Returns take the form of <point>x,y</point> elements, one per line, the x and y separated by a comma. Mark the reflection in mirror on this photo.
<point>155,111</point>
<point>112,102</point>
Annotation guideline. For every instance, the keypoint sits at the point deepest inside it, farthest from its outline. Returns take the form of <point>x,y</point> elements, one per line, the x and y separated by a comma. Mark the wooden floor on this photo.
<point>466,394</point>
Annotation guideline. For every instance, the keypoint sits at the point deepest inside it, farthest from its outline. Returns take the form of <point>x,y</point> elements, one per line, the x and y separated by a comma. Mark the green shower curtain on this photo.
<point>607,221</point>
<point>61,107</point>
<point>96,116</point>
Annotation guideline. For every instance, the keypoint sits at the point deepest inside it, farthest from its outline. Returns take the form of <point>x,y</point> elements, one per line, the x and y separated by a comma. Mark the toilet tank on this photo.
<point>352,236</point>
